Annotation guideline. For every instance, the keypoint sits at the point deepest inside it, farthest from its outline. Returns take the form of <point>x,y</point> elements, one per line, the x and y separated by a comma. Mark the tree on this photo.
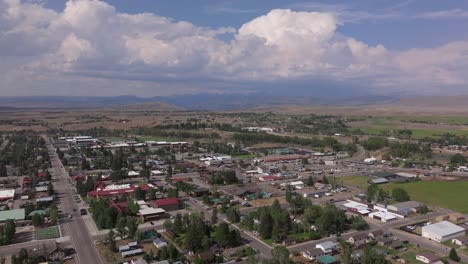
<point>110,239</point>
<point>266,225</point>
<point>458,159</point>
<point>7,232</point>
<point>233,214</point>
<point>53,214</point>
<point>325,180</point>
<point>37,220</point>
<point>310,181</point>
<point>152,194</point>
<point>177,226</point>
<point>121,227</point>
<point>139,193</point>
<point>169,173</point>
<point>280,255</point>
<point>369,256</point>
<point>50,189</point>
<point>3,169</point>
<point>132,226</point>
<point>214,216</point>
<point>400,195</point>
<point>288,194</point>
<point>453,255</point>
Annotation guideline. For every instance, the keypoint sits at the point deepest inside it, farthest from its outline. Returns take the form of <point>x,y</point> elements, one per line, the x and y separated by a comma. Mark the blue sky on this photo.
<point>165,47</point>
<point>402,30</point>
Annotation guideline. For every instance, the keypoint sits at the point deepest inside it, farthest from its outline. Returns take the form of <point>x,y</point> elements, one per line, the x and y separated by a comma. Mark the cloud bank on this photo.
<point>90,48</point>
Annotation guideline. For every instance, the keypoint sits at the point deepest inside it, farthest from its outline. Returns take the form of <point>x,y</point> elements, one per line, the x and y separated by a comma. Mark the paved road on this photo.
<point>76,228</point>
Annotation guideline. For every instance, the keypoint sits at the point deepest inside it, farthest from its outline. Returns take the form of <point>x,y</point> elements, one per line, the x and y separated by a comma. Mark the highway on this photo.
<point>80,238</point>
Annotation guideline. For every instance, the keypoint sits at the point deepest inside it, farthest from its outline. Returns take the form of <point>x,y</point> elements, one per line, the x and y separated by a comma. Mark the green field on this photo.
<point>47,233</point>
<point>150,138</point>
<point>446,194</point>
<point>355,180</point>
<point>417,132</point>
<point>246,156</point>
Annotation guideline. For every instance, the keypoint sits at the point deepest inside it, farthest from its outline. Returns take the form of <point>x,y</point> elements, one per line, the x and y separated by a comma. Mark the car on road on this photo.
<point>83,212</point>
<point>74,210</point>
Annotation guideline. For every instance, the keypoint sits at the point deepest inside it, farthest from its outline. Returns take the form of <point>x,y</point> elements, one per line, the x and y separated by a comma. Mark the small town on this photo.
<point>233,131</point>
<point>69,198</point>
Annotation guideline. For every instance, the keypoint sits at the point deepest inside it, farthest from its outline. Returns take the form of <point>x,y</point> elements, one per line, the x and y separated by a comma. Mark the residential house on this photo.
<point>327,247</point>
<point>358,239</point>
<point>427,257</point>
<point>460,241</point>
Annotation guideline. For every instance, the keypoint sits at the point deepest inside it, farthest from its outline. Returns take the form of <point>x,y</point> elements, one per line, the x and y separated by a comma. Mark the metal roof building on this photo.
<point>17,214</point>
<point>442,231</point>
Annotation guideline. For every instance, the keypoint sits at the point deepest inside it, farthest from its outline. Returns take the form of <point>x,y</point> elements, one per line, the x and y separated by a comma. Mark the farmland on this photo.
<point>447,194</point>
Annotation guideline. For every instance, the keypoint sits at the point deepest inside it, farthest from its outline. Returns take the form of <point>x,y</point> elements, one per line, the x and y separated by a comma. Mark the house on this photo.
<point>378,181</point>
<point>456,217</point>
<point>442,231</point>
<point>168,204</point>
<point>427,257</point>
<point>460,241</point>
<point>396,244</point>
<point>151,214</point>
<point>376,234</point>
<point>159,242</point>
<point>358,239</point>
<point>327,247</point>
<point>313,254</point>
<point>7,195</point>
<point>405,208</point>
<point>200,191</point>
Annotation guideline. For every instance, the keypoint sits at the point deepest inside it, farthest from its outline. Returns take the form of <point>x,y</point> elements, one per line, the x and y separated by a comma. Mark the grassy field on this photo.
<point>149,138</point>
<point>446,194</point>
<point>246,156</point>
<point>417,132</point>
<point>47,233</point>
<point>354,180</point>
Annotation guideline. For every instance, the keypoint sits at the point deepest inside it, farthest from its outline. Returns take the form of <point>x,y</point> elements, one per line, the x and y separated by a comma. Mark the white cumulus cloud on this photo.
<point>93,46</point>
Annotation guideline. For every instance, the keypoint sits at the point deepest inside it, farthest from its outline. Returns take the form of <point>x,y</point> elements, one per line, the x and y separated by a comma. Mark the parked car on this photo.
<point>83,212</point>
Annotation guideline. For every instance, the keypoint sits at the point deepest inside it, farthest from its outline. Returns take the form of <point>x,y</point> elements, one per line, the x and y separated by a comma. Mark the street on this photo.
<point>81,240</point>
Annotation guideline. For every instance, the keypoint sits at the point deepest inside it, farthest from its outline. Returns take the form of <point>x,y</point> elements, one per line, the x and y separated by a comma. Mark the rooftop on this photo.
<point>17,214</point>
<point>443,228</point>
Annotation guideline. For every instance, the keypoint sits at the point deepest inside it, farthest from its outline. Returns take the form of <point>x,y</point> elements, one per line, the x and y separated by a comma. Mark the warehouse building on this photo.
<point>442,231</point>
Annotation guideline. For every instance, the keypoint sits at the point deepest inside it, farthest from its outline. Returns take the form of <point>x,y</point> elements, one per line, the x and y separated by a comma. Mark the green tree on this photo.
<point>280,255</point>
<point>458,159</point>
<point>37,220</point>
<point>177,226</point>
<point>139,193</point>
<point>3,170</point>
<point>453,255</point>
<point>233,214</point>
<point>110,240</point>
<point>132,226</point>
<point>152,194</point>
<point>400,195</point>
<point>214,216</point>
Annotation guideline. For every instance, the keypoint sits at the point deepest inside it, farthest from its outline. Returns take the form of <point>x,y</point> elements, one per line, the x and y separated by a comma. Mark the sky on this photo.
<point>169,47</point>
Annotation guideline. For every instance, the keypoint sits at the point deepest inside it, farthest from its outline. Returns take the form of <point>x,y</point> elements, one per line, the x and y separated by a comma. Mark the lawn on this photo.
<point>417,132</point>
<point>150,138</point>
<point>355,180</point>
<point>446,194</point>
<point>246,156</point>
<point>47,233</point>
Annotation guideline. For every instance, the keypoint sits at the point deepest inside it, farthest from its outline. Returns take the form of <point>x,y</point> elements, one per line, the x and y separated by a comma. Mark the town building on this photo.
<point>168,204</point>
<point>442,231</point>
<point>151,214</point>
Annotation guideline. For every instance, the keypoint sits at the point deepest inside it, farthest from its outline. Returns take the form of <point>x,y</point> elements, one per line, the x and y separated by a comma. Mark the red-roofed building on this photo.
<point>120,207</point>
<point>78,177</point>
<point>269,178</point>
<point>174,180</point>
<point>168,204</point>
<point>116,190</point>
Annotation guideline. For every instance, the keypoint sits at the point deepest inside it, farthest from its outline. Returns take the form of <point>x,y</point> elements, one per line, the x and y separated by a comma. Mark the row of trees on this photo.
<point>224,177</point>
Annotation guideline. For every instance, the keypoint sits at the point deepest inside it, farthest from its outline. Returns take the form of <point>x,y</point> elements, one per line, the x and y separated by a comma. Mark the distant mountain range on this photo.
<point>186,102</point>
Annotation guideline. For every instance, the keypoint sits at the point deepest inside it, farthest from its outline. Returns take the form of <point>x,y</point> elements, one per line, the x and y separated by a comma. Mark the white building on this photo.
<point>442,231</point>
<point>327,247</point>
<point>297,185</point>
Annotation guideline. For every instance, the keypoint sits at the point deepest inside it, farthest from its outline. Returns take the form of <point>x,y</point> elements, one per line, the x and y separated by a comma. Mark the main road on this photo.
<point>81,240</point>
